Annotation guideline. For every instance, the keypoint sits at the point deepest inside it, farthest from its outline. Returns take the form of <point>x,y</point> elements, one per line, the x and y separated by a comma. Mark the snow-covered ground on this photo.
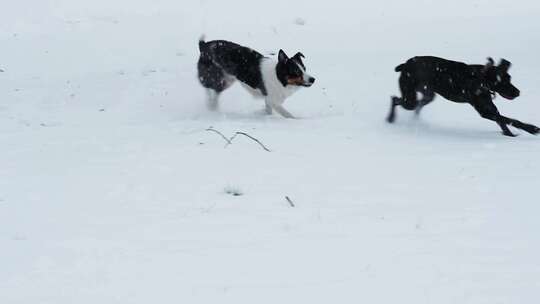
<point>111,190</point>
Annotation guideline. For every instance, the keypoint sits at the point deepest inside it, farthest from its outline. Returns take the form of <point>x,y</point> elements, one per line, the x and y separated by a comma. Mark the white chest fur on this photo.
<point>274,88</point>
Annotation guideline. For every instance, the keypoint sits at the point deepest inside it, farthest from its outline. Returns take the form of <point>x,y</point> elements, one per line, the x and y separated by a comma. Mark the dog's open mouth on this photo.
<point>507,96</point>
<point>299,81</point>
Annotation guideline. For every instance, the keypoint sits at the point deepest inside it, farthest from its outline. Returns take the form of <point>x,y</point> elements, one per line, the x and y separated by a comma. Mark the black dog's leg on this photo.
<point>394,103</point>
<point>427,97</point>
<point>485,107</point>
<point>521,125</point>
<point>408,100</point>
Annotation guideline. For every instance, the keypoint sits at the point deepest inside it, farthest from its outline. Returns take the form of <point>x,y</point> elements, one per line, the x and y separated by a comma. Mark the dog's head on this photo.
<point>499,80</point>
<point>292,71</point>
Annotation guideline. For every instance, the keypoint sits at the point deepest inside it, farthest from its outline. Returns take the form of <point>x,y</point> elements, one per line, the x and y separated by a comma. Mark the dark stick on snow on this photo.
<point>230,140</point>
<point>290,201</point>
<point>252,138</point>
<point>210,129</point>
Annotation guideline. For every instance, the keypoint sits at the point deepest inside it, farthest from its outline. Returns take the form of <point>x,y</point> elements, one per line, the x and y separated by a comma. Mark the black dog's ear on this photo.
<point>299,56</point>
<point>505,65</point>
<point>282,57</point>
<point>489,64</point>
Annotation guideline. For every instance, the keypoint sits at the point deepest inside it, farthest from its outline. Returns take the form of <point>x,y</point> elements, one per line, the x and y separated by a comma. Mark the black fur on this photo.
<point>289,68</point>
<point>458,82</point>
<point>221,57</point>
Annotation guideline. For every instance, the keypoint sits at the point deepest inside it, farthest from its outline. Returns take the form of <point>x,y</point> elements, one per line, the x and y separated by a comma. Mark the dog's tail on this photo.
<point>400,67</point>
<point>202,43</point>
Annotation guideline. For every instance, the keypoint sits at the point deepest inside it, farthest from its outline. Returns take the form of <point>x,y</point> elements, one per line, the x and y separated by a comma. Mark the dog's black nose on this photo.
<point>311,80</point>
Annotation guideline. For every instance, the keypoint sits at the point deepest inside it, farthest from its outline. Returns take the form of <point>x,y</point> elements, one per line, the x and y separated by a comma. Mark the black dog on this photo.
<point>458,82</point>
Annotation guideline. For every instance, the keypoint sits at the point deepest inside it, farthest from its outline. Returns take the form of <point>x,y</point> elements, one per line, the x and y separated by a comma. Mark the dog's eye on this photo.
<point>295,72</point>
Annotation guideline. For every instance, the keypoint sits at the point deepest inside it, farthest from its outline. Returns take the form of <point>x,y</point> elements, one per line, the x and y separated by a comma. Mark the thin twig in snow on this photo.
<point>210,129</point>
<point>230,140</point>
<point>290,201</point>
<point>254,139</point>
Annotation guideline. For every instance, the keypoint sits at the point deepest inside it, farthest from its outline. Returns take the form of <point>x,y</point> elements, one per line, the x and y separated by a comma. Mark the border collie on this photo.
<point>459,82</point>
<point>222,62</point>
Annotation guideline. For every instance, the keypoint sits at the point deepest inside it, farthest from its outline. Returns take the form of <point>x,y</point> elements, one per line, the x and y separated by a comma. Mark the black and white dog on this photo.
<point>458,82</point>
<point>222,62</point>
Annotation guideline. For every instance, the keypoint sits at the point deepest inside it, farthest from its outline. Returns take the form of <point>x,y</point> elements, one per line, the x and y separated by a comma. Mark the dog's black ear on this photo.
<point>282,57</point>
<point>299,56</point>
<point>505,65</point>
<point>489,64</point>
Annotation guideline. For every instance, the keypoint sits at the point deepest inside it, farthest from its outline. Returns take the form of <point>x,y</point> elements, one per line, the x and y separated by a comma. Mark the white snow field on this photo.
<point>111,190</point>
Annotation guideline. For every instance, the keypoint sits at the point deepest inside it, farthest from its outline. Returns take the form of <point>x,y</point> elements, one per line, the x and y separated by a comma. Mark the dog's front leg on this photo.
<point>277,106</point>
<point>281,110</point>
<point>532,129</point>
<point>267,107</point>
<point>485,107</point>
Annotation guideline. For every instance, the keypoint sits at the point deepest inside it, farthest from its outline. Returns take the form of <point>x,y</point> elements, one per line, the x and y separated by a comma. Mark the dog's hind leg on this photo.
<point>485,107</point>
<point>214,79</point>
<point>212,99</point>
<point>408,100</point>
<point>393,104</point>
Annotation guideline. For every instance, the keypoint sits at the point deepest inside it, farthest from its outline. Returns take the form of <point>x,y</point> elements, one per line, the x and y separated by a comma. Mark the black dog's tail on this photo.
<point>202,43</point>
<point>400,67</point>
